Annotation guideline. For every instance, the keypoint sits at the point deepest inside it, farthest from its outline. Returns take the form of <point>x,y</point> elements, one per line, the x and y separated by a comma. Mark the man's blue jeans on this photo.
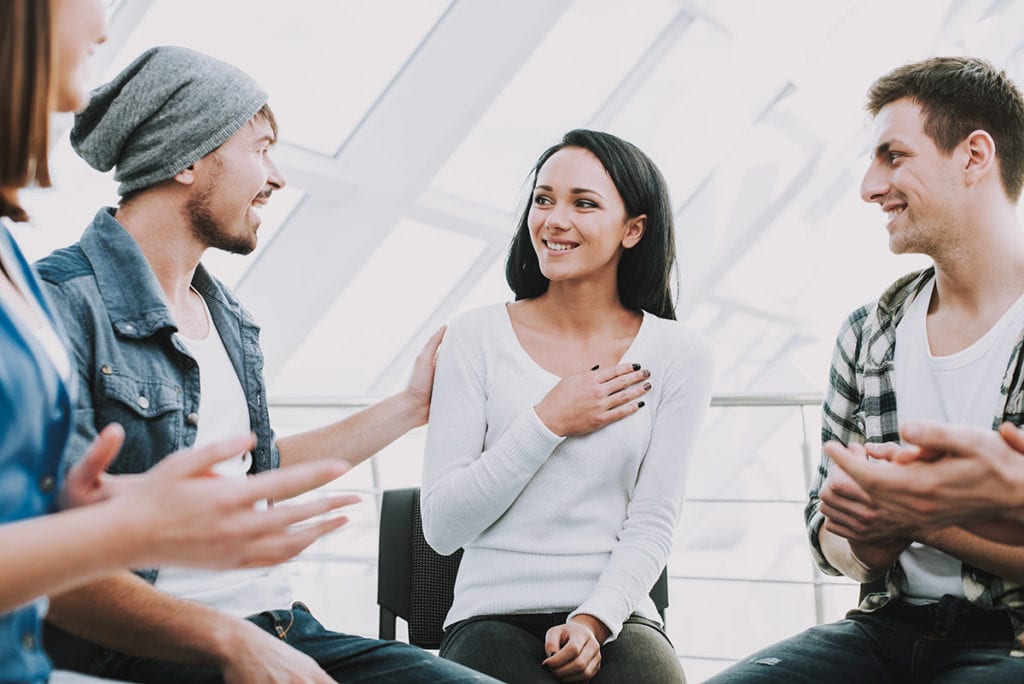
<point>948,642</point>
<point>346,658</point>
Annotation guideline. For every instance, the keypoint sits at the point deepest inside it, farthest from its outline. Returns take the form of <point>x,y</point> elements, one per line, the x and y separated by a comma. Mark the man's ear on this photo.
<point>634,231</point>
<point>186,176</point>
<point>981,156</point>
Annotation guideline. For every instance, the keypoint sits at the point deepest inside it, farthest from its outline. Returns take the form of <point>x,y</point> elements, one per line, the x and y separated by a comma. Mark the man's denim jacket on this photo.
<point>132,367</point>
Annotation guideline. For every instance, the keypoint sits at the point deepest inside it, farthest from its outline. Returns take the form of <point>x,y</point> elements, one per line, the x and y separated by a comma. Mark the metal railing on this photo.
<point>808,446</point>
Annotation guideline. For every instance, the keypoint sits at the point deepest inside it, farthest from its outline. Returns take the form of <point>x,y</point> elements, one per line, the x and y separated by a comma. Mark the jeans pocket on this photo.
<point>276,622</point>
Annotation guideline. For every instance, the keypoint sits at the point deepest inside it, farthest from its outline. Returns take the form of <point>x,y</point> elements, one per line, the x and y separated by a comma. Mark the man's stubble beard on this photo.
<point>206,227</point>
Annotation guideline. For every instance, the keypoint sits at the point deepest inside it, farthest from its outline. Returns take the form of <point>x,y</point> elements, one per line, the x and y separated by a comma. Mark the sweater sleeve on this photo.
<point>465,488</point>
<point>645,541</point>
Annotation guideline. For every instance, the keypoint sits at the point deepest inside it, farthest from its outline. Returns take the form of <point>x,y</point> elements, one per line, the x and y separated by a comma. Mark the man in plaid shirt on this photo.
<point>943,344</point>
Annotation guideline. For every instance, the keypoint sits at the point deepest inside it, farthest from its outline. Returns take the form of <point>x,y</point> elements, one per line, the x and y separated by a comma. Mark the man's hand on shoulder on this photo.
<point>421,381</point>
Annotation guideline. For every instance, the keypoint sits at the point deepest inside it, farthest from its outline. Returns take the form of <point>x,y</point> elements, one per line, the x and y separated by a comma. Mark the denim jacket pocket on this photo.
<point>146,398</point>
<point>151,412</point>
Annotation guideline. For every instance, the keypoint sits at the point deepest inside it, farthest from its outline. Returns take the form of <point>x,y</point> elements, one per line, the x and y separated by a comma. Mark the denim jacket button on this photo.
<point>143,402</point>
<point>192,419</point>
<point>28,641</point>
<point>47,483</point>
<point>106,370</point>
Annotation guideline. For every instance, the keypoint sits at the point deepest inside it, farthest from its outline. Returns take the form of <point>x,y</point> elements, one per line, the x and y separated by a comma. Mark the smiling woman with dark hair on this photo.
<point>561,429</point>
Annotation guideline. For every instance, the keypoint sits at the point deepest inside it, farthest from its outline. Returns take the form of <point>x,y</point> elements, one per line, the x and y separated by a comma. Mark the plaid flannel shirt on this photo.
<point>860,406</point>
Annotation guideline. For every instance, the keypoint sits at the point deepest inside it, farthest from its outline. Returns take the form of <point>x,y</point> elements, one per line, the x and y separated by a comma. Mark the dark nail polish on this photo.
<point>647,373</point>
<point>636,366</point>
<point>596,367</point>
<point>641,404</point>
<point>647,385</point>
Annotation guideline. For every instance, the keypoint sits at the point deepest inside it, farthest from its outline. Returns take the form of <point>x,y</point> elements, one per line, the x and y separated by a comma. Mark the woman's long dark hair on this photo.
<point>646,271</point>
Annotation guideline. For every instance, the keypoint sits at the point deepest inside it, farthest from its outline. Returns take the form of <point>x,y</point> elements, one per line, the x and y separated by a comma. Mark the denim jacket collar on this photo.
<point>127,284</point>
<point>129,288</point>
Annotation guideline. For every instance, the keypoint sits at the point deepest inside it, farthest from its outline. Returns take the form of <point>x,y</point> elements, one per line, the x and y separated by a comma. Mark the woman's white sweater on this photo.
<point>551,524</point>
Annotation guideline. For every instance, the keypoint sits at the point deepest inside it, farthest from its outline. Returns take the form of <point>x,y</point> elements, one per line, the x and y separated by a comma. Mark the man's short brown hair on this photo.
<point>959,95</point>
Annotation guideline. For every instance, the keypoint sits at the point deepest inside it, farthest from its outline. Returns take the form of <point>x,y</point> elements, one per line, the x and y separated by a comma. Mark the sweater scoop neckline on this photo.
<point>514,342</point>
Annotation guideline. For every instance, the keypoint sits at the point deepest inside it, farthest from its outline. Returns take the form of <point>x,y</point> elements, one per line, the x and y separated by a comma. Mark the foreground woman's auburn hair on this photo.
<point>25,57</point>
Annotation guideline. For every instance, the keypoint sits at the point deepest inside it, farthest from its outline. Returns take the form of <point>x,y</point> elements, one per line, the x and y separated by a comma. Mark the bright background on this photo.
<point>407,131</point>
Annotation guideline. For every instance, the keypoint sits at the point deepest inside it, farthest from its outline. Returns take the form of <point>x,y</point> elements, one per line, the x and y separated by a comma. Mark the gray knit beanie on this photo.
<point>168,109</point>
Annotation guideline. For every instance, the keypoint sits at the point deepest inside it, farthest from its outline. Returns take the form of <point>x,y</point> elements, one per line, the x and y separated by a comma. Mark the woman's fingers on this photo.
<point>101,453</point>
<point>284,483</point>
<point>628,375</point>
<point>191,462</point>
<point>279,547</point>
<point>255,522</point>
<point>84,481</point>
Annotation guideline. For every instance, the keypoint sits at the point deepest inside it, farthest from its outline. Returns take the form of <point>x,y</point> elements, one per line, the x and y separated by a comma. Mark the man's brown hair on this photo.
<point>959,95</point>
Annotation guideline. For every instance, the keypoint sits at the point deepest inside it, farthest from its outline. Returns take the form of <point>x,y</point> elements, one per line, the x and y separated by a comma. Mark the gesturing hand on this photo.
<point>574,652</point>
<point>179,513</point>
<point>87,481</point>
<point>582,403</point>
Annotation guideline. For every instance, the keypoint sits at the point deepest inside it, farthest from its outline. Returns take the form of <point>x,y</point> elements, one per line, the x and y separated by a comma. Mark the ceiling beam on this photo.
<point>388,161</point>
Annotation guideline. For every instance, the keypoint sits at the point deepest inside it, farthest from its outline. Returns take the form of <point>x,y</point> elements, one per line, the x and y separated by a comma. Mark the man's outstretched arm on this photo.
<point>361,435</point>
<point>125,613</point>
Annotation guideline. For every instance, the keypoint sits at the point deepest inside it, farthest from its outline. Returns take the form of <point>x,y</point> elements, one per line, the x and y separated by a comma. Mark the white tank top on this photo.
<point>223,413</point>
<point>961,388</point>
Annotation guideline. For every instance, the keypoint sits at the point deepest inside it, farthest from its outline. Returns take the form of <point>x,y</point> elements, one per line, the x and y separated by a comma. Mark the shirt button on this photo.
<point>106,370</point>
<point>47,483</point>
<point>192,419</point>
<point>129,328</point>
<point>28,641</point>
<point>143,402</point>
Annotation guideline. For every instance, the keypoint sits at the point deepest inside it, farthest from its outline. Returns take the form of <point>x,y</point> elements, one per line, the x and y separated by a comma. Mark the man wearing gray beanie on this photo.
<point>189,139</point>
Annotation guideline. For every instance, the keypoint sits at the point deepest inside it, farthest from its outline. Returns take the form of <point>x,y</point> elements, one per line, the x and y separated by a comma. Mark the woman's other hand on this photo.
<point>574,649</point>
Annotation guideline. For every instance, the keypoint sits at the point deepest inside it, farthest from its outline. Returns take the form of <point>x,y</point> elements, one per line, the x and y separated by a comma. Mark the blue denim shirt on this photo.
<point>35,419</point>
<point>132,367</point>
